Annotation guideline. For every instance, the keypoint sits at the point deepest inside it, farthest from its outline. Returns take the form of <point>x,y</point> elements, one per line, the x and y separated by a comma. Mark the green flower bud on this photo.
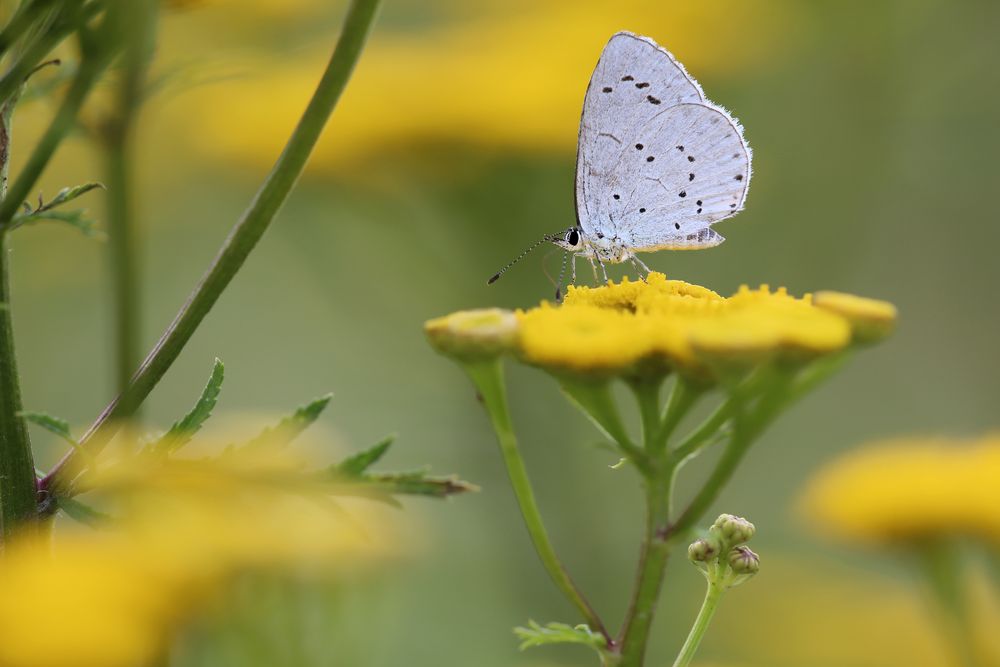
<point>704,550</point>
<point>732,530</point>
<point>743,561</point>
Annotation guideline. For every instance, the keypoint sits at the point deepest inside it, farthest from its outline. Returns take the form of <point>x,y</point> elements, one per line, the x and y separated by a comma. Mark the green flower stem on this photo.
<point>594,399</point>
<point>683,397</point>
<point>241,241</point>
<point>712,597</point>
<point>749,422</point>
<point>138,34</point>
<point>647,395</point>
<point>488,379</point>
<point>942,569</point>
<point>652,568</point>
<point>704,432</point>
<point>17,470</point>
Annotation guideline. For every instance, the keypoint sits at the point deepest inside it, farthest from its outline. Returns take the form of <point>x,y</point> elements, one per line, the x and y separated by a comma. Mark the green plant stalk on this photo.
<point>652,568</point>
<point>17,469</point>
<point>942,570</point>
<point>488,379</point>
<point>595,400</point>
<point>712,597</point>
<point>647,396</point>
<point>682,399</point>
<point>118,139</point>
<point>240,242</point>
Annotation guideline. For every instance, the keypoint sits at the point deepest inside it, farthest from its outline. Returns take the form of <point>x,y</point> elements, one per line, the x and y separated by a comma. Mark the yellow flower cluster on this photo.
<point>670,324</point>
<point>114,597</point>
<point>910,489</point>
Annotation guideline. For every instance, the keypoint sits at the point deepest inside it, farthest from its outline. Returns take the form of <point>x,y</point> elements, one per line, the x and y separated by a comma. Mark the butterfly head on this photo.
<point>571,239</point>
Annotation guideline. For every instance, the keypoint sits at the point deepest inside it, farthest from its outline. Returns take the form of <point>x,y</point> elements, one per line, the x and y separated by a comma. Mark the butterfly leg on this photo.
<point>640,265</point>
<point>603,270</point>
<point>593,265</point>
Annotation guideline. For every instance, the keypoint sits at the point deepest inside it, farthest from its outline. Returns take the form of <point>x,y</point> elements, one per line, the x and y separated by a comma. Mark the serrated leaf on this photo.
<point>82,513</point>
<point>51,424</point>
<point>69,194</point>
<point>181,432</point>
<point>419,484</point>
<point>558,633</point>
<point>354,466</point>
<point>291,426</point>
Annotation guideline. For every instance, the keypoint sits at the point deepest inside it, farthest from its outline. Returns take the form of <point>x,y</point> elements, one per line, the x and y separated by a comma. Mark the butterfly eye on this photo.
<point>573,237</point>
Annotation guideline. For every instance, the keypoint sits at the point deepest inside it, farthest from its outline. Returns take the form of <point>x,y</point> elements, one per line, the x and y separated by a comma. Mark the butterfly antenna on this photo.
<point>496,276</point>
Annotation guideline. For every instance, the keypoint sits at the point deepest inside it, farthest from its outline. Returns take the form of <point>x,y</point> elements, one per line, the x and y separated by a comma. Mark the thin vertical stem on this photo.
<point>942,569</point>
<point>17,469</point>
<point>712,597</point>
<point>652,568</point>
<point>138,34</point>
<point>488,378</point>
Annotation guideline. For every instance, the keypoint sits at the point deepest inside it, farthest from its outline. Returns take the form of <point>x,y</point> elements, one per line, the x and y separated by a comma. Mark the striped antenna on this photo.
<point>496,276</point>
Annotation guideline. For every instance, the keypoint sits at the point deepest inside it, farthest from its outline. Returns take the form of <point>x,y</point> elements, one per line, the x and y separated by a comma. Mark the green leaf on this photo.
<point>69,194</point>
<point>77,219</point>
<point>51,424</point>
<point>419,483</point>
<point>44,211</point>
<point>82,513</point>
<point>558,633</point>
<point>183,430</point>
<point>290,427</point>
<point>356,465</point>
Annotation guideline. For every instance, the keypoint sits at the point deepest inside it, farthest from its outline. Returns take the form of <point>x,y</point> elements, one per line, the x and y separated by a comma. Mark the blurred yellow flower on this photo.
<point>92,601</point>
<point>660,323</point>
<point>180,530</point>
<point>909,489</point>
<point>509,76</point>
<point>823,613</point>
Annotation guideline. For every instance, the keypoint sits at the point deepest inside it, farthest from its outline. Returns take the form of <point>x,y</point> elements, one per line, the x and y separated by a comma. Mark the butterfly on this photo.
<point>657,162</point>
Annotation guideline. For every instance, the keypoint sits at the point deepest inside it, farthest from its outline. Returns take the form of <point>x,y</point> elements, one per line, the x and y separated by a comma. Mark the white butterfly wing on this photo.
<point>646,129</point>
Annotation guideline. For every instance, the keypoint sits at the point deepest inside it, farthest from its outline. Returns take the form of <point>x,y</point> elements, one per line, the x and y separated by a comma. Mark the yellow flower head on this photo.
<point>471,335</point>
<point>910,489</point>
<point>630,326</point>
<point>871,320</point>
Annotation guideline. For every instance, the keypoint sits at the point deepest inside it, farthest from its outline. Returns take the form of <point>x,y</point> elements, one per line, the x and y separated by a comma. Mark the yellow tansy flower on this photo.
<point>621,327</point>
<point>473,334</point>
<point>870,319</point>
<point>910,489</point>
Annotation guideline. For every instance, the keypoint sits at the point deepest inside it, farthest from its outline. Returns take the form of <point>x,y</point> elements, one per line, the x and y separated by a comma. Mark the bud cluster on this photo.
<point>723,556</point>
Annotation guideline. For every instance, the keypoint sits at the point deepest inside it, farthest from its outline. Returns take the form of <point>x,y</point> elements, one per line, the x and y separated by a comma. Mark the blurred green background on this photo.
<point>874,127</point>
